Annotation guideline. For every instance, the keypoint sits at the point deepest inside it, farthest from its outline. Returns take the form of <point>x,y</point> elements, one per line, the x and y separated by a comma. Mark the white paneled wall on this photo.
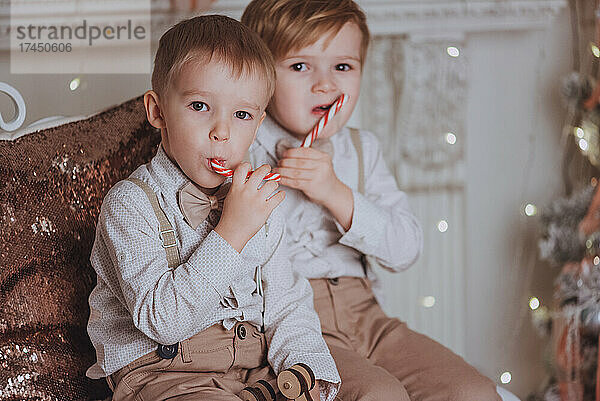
<point>419,92</point>
<point>500,99</point>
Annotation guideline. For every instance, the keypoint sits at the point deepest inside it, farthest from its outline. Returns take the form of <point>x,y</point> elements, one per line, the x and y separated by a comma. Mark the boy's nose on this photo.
<point>220,132</point>
<point>324,83</point>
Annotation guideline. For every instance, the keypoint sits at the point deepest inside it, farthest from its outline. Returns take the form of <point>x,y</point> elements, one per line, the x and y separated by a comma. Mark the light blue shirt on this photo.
<point>139,302</point>
<point>382,226</point>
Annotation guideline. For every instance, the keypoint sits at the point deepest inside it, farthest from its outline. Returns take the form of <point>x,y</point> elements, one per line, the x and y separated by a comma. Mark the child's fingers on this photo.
<point>240,173</point>
<point>296,173</point>
<point>258,175</point>
<point>274,200</point>
<point>307,164</point>
<point>268,188</point>
<point>293,183</point>
<point>304,153</point>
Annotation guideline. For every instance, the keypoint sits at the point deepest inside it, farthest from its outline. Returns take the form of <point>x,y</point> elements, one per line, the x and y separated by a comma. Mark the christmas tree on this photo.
<point>570,227</point>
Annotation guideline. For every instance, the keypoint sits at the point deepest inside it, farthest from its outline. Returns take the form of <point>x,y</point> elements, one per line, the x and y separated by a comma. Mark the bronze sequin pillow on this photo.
<point>52,183</point>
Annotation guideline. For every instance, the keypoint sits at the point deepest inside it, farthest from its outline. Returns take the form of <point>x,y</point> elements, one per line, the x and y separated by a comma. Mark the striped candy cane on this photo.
<point>308,141</point>
<point>316,131</point>
<point>225,172</point>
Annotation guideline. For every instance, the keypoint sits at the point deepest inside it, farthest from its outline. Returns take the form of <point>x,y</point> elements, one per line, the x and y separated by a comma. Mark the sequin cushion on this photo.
<point>52,183</point>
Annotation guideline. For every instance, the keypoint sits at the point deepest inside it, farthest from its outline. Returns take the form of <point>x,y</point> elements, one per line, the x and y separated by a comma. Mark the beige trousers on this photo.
<point>380,358</point>
<point>214,365</point>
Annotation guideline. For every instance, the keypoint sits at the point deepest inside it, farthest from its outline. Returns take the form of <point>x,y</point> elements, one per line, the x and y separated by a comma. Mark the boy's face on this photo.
<point>209,113</point>
<point>310,79</point>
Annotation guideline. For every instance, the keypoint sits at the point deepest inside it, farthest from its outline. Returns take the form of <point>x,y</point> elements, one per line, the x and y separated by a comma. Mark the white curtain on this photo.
<point>414,98</point>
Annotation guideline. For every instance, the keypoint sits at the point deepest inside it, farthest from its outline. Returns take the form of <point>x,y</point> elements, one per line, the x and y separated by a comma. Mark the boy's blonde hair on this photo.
<point>287,25</point>
<point>207,37</point>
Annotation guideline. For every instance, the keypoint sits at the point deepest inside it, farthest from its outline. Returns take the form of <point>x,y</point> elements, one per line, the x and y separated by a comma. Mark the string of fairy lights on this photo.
<point>428,301</point>
<point>528,209</point>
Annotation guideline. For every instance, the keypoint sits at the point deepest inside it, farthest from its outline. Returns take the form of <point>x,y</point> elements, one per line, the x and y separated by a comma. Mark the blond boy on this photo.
<point>194,303</point>
<point>343,203</point>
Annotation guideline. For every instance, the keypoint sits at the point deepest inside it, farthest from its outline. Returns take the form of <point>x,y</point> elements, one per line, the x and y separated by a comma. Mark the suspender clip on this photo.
<point>168,238</point>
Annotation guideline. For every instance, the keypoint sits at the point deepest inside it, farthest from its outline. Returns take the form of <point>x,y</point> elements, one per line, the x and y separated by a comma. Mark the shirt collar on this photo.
<point>167,174</point>
<point>269,133</point>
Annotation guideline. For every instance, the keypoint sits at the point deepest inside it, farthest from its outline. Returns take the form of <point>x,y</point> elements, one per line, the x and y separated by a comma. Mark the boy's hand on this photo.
<point>246,207</point>
<point>311,171</point>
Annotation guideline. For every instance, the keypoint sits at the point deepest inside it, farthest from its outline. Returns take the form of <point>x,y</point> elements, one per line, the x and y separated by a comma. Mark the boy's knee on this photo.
<point>477,389</point>
<point>386,387</point>
<point>396,392</point>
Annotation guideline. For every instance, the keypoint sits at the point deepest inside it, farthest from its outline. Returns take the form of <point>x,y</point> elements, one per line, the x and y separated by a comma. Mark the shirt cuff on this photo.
<point>328,391</point>
<point>365,231</point>
<point>323,366</point>
<point>218,262</point>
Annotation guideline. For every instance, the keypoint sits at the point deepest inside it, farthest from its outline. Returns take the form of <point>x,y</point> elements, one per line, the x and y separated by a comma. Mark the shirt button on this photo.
<point>334,281</point>
<point>168,351</point>
<point>241,331</point>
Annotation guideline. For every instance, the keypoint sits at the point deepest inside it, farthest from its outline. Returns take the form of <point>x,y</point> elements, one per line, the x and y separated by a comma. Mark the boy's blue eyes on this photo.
<point>243,115</point>
<point>201,106</point>
<point>300,67</point>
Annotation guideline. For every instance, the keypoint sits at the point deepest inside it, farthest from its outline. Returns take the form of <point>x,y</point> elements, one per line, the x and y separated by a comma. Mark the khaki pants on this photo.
<point>380,358</point>
<point>214,365</point>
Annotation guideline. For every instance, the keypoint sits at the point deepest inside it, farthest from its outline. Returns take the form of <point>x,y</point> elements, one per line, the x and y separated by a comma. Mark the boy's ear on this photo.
<point>262,118</point>
<point>153,112</point>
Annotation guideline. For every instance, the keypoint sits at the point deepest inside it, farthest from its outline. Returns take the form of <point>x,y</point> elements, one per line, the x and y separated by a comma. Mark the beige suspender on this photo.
<point>355,135</point>
<point>367,261</point>
<point>167,234</point>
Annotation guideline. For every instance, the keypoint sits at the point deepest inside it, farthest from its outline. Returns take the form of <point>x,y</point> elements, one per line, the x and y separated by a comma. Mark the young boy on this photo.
<point>343,204</point>
<point>190,302</point>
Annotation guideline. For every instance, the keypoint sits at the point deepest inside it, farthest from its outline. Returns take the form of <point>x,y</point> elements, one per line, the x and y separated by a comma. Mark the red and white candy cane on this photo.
<point>316,131</point>
<point>308,141</point>
<point>225,172</point>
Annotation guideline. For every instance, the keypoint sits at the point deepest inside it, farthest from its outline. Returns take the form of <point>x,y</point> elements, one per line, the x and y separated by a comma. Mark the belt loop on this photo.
<point>186,352</point>
<point>111,383</point>
<point>329,286</point>
<point>116,377</point>
<point>366,282</point>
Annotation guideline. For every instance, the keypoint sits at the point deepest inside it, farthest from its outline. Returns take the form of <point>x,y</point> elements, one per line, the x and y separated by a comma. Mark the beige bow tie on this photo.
<point>195,205</point>
<point>322,144</point>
